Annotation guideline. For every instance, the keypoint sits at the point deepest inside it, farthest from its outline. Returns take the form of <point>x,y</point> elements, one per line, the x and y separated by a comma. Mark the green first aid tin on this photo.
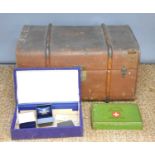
<point>116,116</point>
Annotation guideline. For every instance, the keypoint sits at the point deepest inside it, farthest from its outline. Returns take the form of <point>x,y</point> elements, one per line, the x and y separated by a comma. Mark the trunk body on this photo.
<point>108,56</point>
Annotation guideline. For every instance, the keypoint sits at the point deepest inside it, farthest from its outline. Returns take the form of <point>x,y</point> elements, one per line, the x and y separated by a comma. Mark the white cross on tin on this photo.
<point>116,114</point>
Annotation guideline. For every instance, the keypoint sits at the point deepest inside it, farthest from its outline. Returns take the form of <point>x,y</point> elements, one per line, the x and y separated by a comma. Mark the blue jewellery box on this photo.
<point>48,103</point>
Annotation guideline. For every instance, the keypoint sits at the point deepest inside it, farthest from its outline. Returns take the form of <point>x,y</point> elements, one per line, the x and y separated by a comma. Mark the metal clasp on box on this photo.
<point>123,71</point>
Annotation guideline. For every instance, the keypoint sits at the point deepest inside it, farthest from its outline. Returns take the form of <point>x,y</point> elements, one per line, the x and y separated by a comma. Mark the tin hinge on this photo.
<point>123,71</point>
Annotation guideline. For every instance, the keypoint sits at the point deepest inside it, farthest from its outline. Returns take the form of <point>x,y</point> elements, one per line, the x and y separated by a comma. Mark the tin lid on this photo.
<point>39,86</point>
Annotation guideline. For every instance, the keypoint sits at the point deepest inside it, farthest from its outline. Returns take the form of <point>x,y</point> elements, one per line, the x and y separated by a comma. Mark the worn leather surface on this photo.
<point>94,85</point>
<point>85,46</point>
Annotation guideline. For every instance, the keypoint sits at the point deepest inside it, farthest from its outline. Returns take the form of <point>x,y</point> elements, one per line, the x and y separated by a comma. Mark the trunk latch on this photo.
<point>123,71</point>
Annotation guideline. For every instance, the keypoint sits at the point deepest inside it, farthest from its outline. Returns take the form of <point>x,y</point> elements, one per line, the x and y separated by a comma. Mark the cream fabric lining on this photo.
<point>47,86</point>
<point>60,115</point>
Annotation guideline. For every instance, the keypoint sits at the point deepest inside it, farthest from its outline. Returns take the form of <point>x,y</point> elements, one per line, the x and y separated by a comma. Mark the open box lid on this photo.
<point>44,86</point>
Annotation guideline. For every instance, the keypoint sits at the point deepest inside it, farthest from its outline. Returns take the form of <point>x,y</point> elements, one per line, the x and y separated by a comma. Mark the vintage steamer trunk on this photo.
<point>108,56</point>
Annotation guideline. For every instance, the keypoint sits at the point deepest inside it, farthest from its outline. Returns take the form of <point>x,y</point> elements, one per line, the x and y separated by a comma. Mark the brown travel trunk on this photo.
<point>108,56</point>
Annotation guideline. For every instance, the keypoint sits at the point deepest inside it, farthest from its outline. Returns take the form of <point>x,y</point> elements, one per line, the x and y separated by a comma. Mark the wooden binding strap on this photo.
<point>47,48</point>
<point>109,61</point>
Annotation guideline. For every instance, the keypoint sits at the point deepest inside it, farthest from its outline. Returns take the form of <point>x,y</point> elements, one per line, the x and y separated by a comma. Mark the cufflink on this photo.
<point>44,115</point>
